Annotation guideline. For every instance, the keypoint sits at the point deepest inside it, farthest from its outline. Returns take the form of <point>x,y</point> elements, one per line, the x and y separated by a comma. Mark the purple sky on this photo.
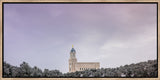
<point>112,34</point>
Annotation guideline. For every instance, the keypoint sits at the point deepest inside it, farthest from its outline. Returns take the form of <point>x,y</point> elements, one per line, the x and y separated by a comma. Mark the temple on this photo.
<point>80,66</point>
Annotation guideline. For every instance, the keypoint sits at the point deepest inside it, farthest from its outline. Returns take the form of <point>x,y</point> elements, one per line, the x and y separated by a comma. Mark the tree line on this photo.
<point>143,69</point>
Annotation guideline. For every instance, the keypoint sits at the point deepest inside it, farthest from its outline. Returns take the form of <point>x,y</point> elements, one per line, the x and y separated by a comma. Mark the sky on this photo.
<point>113,34</point>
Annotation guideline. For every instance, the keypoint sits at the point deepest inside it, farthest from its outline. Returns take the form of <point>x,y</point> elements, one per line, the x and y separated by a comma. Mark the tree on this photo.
<point>7,71</point>
<point>15,71</point>
<point>25,70</point>
<point>36,72</point>
<point>46,73</point>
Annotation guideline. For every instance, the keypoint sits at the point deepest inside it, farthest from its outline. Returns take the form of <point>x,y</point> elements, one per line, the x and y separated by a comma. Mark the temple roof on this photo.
<point>73,50</point>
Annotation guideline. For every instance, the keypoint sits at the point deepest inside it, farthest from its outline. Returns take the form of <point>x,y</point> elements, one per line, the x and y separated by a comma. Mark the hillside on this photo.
<point>146,69</point>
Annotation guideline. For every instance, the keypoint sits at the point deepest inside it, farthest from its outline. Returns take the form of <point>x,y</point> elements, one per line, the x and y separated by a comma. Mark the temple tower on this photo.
<point>72,60</point>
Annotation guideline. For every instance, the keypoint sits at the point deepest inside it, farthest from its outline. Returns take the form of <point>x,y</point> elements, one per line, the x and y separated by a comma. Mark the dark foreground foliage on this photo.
<point>143,69</point>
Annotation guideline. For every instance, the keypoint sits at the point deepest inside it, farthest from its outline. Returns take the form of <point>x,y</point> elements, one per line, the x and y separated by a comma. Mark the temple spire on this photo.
<point>72,46</point>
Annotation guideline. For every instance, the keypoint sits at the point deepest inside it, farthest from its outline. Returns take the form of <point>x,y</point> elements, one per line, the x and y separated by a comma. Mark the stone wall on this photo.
<point>80,66</point>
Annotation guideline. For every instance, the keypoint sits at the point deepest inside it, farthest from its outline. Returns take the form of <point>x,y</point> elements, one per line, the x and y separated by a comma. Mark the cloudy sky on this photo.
<point>112,34</point>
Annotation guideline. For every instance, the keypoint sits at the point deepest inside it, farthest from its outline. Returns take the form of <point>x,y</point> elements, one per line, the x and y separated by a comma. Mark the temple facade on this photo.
<point>80,66</point>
